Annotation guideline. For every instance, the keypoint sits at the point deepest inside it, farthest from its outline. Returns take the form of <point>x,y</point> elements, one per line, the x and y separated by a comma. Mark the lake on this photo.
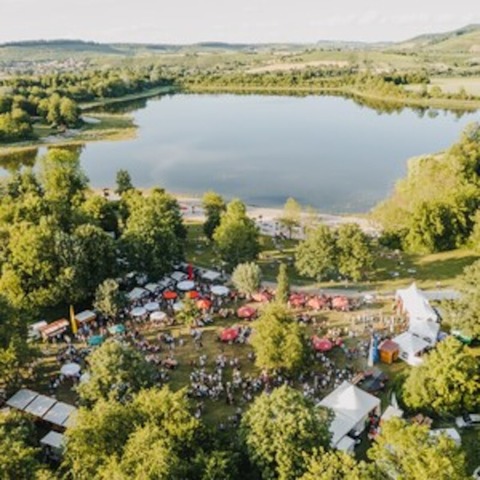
<point>328,152</point>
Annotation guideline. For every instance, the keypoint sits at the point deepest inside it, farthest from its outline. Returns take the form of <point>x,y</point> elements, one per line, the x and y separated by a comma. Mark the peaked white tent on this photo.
<point>415,304</point>
<point>427,330</point>
<point>410,347</point>
<point>351,406</point>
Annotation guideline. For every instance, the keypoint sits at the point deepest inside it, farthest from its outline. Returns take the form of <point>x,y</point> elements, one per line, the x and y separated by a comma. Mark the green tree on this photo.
<point>282,294</point>
<point>214,206</point>
<point>69,112</point>
<point>281,429</point>
<point>124,182</point>
<point>409,452</point>
<point>247,278</point>
<point>101,212</point>
<point>189,312</point>
<point>336,465</point>
<point>446,383</point>
<point>116,372</point>
<point>109,299</point>
<point>154,233</point>
<point>237,237</point>
<point>291,217</point>
<point>278,340</point>
<point>464,313</point>
<point>315,256</point>
<point>354,255</point>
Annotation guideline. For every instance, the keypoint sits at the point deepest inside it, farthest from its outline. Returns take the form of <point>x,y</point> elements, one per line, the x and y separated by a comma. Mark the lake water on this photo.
<point>327,152</point>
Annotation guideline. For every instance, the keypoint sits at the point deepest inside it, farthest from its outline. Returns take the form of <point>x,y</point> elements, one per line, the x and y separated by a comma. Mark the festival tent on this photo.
<point>317,303</point>
<point>219,290</point>
<point>152,306</point>
<point>210,275</point>
<point>177,306</point>
<point>229,335</point>
<point>351,407</point>
<point>297,300</point>
<point>246,312</point>
<point>428,330</point>
<point>449,432</point>
<point>152,287</point>
<point>391,412</point>
<point>70,369</point>
<point>261,297</point>
<point>137,294</point>
<point>95,340</point>
<point>54,328</point>
<point>40,405</point>
<point>192,294</point>
<point>22,399</point>
<point>85,317</point>
<point>117,329</point>
<point>186,285</point>
<point>178,276</point>
<point>340,303</point>
<point>158,316</point>
<point>204,304</point>
<point>54,440</point>
<point>414,303</point>
<point>321,344</point>
<point>138,312</point>
<point>410,347</point>
<point>59,414</point>
<point>346,444</point>
<point>169,295</point>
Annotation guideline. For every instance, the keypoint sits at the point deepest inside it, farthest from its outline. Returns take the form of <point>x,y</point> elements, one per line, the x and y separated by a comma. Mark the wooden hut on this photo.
<point>389,351</point>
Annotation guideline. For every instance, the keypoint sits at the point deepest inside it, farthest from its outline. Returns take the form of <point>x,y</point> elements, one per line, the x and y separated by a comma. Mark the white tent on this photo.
<point>40,405</point>
<point>22,399</point>
<point>152,306</point>
<point>85,316</point>
<point>415,304</point>
<point>59,413</point>
<point>136,294</point>
<point>152,287</point>
<point>220,290</point>
<point>449,432</point>
<point>178,276</point>
<point>427,330</point>
<point>138,312</point>
<point>185,285</point>
<point>391,412</point>
<point>210,275</point>
<point>410,347</point>
<point>346,444</point>
<point>351,406</point>
<point>53,439</point>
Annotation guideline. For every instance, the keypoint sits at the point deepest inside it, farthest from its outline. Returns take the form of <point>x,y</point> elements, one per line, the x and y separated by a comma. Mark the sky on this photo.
<point>247,21</point>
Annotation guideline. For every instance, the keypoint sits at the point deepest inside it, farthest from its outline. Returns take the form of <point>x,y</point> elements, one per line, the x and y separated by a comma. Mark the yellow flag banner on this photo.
<point>73,322</point>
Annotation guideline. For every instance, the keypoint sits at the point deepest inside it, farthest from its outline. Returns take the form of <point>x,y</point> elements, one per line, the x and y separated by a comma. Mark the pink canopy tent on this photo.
<point>321,344</point>
<point>229,335</point>
<point>261,297</point>
<point>297,300</point>
<point>317,303</point>
<point>340,303</point>
<point>204,304</point>
<point>246,312</point>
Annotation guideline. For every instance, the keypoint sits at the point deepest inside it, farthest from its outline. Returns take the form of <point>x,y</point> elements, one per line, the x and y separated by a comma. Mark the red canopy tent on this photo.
<point>321,344</point>
<point>297,300</point>
<point>204,304</point>
<point>340,303</point>
<point>261,297</point>
<point>169,295</point>
<point>317,303</point>
<point>193,294</point>
<point>229,335</point>
<point>246,312</point>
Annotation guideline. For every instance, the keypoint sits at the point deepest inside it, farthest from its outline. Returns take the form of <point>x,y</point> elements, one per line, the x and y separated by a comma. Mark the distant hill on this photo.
<point>462,40</point>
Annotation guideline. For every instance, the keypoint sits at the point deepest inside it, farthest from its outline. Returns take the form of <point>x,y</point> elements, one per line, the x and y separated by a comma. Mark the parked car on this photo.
<point>468,420</point>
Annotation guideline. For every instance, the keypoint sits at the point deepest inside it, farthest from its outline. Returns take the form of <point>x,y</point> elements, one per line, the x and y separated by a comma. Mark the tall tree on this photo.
<point>282,293</point>
<point>446,383</point>
<point>237,237</point>
<point>109,299</point>
<point>354,252</point>
<point>116,372</point>
<point>124,182</point>
<point>291,217</point>
<point>315,256</point>
<point>278,340</point>
<point>280,429</point>
<point>214,206</point>
<point>464,313</point>
<point>247,278</point>
<point>408,451</point>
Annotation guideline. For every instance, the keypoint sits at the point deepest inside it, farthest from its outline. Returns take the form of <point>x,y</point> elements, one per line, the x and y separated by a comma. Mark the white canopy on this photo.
<point>40,405</point>
<point>391,412</point>
<point>410,346</point>
<point>152,287</point>
<point>53,439</point>
<point>219,290</point>
<point>449,432</point>
<point>85,316</point>
<point>136,294</point>
<point>59,413</point>
<point>415,304</point>
<point>22,398</point>
<point>177,306</point>
<point>351,406</point>
<point>152,306</point>
<point>158,316</point>
<point>186,285</point>
<point>138,312</point>
<point>70,369</point>
<point>346,444</point>
<point>425,329</point>
<point>210,275</point>
<point>178,276</point>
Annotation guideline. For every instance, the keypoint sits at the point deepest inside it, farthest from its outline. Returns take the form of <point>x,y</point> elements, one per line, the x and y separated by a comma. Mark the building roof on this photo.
<point>350,405</point>
<point>389,346</point>
<point>53,439</point>
<point>40,405</point>
<point>410,343</point>
<point>59,413</point>
<point>22,399</point>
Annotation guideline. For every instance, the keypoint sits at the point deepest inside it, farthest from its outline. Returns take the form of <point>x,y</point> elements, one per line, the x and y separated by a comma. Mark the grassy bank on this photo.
<point>439,103</point>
